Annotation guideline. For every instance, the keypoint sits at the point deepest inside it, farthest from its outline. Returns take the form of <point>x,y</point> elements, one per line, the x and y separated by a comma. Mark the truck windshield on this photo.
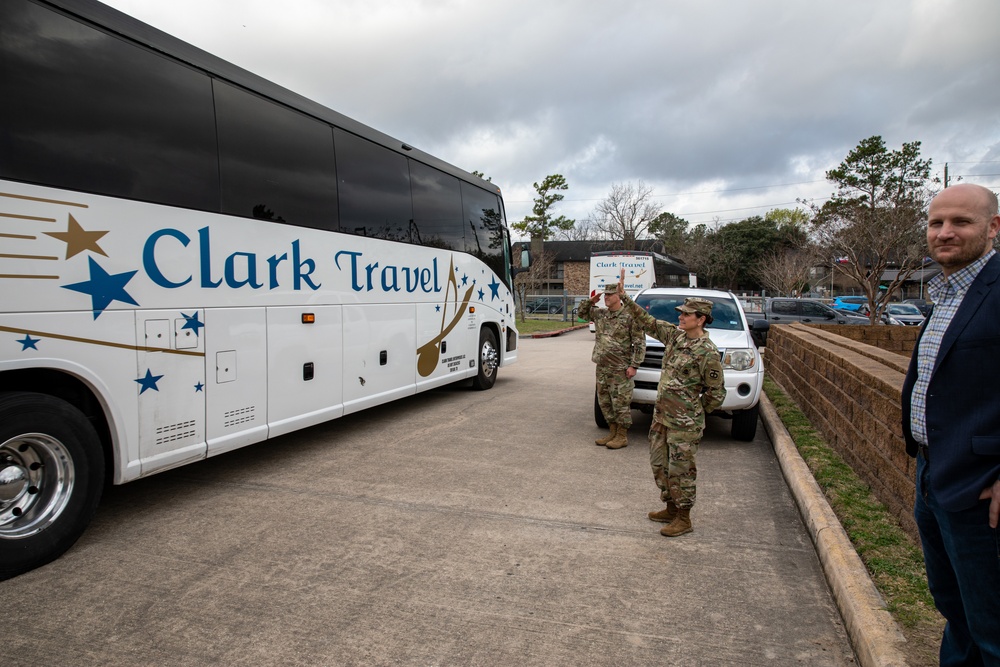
<point>725,314</point>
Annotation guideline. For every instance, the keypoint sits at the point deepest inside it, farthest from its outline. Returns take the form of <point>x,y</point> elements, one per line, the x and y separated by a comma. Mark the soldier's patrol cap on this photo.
<point>696,305</point>
<point>611,288</point>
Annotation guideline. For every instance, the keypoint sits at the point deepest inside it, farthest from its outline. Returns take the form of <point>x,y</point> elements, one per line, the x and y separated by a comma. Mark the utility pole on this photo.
<point>945,174</point>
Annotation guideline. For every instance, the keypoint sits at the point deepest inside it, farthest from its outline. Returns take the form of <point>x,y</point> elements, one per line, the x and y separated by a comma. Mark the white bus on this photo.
<point>194,259</point>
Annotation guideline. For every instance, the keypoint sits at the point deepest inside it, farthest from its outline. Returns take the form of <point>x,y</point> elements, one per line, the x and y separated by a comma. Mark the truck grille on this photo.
<point>654,358</point>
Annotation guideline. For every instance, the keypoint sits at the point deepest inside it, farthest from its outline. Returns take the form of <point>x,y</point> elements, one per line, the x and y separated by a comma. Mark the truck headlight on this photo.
<point>739,359</point>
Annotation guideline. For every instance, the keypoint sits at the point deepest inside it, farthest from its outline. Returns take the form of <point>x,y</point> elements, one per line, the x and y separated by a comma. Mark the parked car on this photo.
<point>851,303</point>
<point>780,310</point>
<point>852,313</point>
<point>545,304</point>
<point>864,315</point>
<point>731,332</point>
<point>923,305</point>
<point>905,313</point>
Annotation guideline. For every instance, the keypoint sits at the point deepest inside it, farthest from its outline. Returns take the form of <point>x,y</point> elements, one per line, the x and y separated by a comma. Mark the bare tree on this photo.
<point>626,213</point>
<point>534,279</point>
<point>784,271</point>
<point>582,230</point>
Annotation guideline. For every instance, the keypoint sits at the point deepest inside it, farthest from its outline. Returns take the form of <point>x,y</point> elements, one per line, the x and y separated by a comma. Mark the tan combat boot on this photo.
<point>612,430</point>
<point>620,440</point>
<point>680,525</point>
<point>665,515</point>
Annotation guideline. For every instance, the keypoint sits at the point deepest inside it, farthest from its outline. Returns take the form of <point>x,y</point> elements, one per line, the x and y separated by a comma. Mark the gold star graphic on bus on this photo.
<point>78,239</point>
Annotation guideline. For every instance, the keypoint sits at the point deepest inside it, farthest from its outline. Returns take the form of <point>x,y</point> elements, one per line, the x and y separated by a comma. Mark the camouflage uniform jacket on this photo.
<point>692,382</point>
<point>619,341</point>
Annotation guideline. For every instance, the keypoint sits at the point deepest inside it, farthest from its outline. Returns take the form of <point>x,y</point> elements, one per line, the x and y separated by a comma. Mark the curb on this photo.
<point>874,634</point>
<point>558,332</point>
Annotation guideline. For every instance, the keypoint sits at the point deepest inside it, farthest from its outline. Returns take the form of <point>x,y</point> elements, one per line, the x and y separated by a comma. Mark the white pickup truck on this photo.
<point>731,332</point>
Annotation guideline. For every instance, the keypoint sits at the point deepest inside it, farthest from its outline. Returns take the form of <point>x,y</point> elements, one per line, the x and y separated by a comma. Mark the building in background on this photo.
<point>570,271</point>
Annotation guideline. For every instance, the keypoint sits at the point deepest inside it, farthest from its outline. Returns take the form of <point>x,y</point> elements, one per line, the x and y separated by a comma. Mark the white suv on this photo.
<point>731,333</point>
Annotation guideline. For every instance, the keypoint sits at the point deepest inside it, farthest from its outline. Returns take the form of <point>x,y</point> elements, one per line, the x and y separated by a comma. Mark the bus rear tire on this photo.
<point>51,479</point>
<point>489,360</point>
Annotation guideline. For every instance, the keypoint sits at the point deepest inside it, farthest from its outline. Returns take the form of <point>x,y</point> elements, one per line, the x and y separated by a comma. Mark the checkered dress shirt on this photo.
<point>947,295</point>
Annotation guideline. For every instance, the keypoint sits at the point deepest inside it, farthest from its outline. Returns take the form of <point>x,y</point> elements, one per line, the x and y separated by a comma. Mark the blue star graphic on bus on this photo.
<point>149,381</point>
<point>192,323</point>
<point>482,295</point>
<point>494,287</point>
<point>465,279</point>
<point>29,343</point>
<point>104,288</point>
<point>437,308</point>
<point>199,387</point>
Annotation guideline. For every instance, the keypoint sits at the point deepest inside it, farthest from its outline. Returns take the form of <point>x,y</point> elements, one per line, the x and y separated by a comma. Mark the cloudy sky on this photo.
<point>725,108</point>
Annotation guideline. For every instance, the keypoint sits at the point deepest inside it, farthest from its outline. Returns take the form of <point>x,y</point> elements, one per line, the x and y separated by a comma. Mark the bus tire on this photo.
<point>489,360</point>
<point>598,413</point>
<point>744,425</point>
<point>51,479</point>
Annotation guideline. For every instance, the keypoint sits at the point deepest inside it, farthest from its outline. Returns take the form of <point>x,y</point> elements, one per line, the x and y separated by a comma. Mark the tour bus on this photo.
<point>194,259</point>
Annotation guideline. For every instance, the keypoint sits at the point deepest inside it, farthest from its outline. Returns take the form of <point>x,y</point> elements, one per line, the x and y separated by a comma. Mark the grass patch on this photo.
<point>895,563</point>
<point>533,326</point>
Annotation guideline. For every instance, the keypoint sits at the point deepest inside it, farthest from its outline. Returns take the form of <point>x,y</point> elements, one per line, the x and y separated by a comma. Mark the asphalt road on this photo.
<point>451,528</point>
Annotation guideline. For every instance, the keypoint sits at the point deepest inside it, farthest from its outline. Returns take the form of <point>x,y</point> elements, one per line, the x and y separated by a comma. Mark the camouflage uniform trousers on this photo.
<point>671,456</point>
<point>614,395</point>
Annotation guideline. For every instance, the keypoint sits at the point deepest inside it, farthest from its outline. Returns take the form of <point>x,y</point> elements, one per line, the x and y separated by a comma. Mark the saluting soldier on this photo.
<point>619,348</point>
<point>691,385</point>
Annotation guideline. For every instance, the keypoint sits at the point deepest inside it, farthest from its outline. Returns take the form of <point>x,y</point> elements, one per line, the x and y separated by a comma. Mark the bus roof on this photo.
<point>122,24</point>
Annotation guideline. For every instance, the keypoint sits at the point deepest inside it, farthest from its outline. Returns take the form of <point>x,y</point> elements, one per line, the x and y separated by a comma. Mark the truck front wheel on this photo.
<point>745,423</point>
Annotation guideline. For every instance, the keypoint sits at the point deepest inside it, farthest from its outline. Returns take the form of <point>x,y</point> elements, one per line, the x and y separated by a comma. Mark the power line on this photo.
<point>730,210</point>
<point>756,187</point>
<point>698,192</point>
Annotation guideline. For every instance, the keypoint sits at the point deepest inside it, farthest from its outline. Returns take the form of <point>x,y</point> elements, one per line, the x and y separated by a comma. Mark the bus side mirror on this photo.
<point>525,263</point>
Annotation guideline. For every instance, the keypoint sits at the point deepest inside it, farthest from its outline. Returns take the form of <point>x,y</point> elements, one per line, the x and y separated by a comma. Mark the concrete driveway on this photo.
<point>452,528</point>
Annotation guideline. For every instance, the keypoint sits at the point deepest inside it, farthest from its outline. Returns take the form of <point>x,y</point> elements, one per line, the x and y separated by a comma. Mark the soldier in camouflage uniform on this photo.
<point>619,348</point>
<point>691,385</point>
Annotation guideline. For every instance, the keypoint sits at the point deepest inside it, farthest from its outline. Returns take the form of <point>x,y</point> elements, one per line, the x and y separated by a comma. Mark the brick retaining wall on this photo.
<point>847,380</point>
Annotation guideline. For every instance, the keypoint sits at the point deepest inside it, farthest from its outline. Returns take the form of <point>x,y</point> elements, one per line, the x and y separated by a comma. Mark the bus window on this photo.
<point>104,116</point>
<point>485,225</point>
<point>437,208</point>
<point>276,164</point>
<point>374,185</point>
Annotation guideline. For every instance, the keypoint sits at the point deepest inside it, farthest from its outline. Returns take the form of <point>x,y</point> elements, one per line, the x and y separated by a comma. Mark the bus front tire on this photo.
<point>51,479</point>
<point>489,360</point>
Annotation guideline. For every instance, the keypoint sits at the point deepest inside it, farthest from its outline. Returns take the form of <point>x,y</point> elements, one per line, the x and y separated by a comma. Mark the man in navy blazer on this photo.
<point>951,423</point>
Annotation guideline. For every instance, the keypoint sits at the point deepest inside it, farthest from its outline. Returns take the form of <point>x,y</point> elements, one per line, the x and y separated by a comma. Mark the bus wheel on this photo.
<point>51,479</point>
<point>489,360</point>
